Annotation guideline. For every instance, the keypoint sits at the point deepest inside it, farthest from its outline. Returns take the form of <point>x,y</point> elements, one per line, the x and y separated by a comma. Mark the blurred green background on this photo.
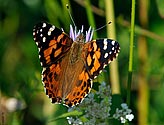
<point>20,70</point>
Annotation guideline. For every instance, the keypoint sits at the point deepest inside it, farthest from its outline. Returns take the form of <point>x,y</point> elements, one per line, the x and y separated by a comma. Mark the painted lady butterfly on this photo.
<point>70,63</point>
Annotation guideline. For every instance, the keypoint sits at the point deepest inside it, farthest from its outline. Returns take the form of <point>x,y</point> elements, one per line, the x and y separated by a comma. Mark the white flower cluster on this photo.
<point>73,121</point>
<point>123,114</point>
<point>96,108</point>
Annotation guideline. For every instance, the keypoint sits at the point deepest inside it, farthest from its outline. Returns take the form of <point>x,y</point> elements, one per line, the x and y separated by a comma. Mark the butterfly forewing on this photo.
<point>52,43</point>
<point>100,53</point>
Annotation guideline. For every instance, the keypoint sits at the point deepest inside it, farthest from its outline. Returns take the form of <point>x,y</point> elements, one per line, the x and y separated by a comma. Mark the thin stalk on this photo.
<point>90,16</point>
<point>111,33</point>
<point>143,86</point>
<point>131,52</point>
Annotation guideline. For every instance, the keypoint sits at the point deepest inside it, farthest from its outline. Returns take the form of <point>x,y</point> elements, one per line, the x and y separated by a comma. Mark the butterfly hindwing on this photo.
<point>50,78</point>
<point>81,89</point>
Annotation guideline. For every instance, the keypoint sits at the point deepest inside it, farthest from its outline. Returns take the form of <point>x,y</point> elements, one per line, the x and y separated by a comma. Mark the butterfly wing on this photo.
<point>82,87</point>
<point>100,53</point>
<point>95,55</point>
<point>52,43</point>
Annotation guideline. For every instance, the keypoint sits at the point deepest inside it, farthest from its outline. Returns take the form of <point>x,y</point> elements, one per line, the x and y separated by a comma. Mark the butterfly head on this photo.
<point>78,35</point>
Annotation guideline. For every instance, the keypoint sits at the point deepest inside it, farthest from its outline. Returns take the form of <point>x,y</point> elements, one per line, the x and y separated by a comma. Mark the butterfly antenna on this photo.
<point>102,26</point>
<point>70,15</point>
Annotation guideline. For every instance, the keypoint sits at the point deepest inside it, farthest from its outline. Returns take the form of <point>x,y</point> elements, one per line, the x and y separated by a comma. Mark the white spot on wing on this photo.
<point>104,65</point>
<point>50,30</point>
<point>36,42</point>
<point>44,25</point>
<point>39,49</point>
<point>100,71</point>
<point>112,48</point>
<point>95,77</point>
<point>49,33</point>
<point>91,85</point>
<point>43,70</point>
<point>105,44</point>
<point>44,39</point>
<point>105,47</point>
<point>113,42</point>
<point>106,55</point>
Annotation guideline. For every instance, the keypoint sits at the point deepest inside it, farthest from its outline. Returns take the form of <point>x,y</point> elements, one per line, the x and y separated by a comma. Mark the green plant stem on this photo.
<point>131,52</point>
<point>111,33</point>
<point>90,16</point>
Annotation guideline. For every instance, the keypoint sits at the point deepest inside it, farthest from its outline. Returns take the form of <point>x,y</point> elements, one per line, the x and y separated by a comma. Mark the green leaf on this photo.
<point>68,114</point>
<point>160,6</point>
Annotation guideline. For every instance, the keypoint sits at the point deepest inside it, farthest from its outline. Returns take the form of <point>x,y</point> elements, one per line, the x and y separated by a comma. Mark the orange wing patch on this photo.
<point>80,91</point>
<point>48,51</point>
<point>51,82</point>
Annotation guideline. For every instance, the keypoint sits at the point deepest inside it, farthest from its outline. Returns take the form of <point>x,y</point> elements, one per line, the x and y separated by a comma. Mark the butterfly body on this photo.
<point>75,52</point>
<point>70,63</point>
